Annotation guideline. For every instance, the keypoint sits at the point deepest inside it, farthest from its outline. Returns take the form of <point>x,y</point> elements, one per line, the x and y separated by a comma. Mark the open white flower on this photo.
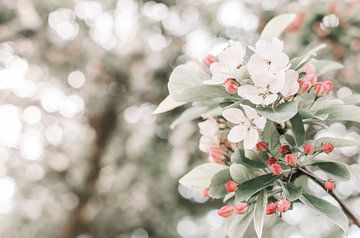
<point>210,138</point>
<point>248,124</point>
<point>268,69</point>
<point>228,65</point>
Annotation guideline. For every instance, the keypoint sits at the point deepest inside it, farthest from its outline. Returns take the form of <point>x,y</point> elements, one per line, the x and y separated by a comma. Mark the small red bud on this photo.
<point>283,149</point>
<point>276,169</point>
<point>329,185</point>
<point>241,208</point>
<point>271,160</point>
<point>329,85</point>
<point>271,208</point>
<point>305,86</point>
<point>209,59</point>
<point>205,192</point>
<point>327,148</point>
<point>231,186</point>
<point>323,88</point>
<point>262,146</point>
<point>231,86</point>
<point>291,159</point>
<point>283,205</point>
<point>308,149</point>
<point>225,211</point>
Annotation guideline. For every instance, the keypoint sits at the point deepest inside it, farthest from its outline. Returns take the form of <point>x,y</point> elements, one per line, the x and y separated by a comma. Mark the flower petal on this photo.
<point>250,93</point>
<point>237,133</point>
<point>234,115</point>
<point>233,56</point>
<point>277,82</point>
<point>271,98</point>
<point>250,112</point>
<point>220,72</point>
<point>251,138</point>
<point>260,122</point>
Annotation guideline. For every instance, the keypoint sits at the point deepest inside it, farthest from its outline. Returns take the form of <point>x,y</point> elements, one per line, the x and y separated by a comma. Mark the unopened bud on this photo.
<point>283,205</point>
<point>327,148</point>
<point>276,169</point>
<point>262,146</point>
<point>231,186</point>
<point>291,159</point>
<point>271,160</point>
<point>205,192</point>
<point>241,208</point>
<point>283,149</point>
<point>217,155</point>
<point>308,149</point>
<point>209,59</point>
<point>225,211</point>
<point>231,86</point>
<point>271,208</point>
<point>329,185</point>
<point>305,86</point>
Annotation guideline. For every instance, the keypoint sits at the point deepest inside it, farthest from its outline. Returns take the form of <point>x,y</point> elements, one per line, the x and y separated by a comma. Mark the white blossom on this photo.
<point>248,124</point>
<point>229,64</point>
<point>210,138</point>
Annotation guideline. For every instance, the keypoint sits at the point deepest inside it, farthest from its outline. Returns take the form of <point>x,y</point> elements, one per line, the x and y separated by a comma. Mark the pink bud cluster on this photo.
<point>229,210</point>
<point>310,80</point>
<point>281,206</point>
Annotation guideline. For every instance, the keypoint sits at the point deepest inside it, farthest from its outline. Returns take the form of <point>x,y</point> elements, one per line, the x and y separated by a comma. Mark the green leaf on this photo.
<point>281,113</point>
<point>239,157</point>
<point>236,226</point>
<point>323,207</point>
<point>239,173</point>
<point>336,142</point>
<point>325,102</point>
<point>298,129</point>
<point>259,212</point>
<point>351,99</point>
<point>193,113</point>
<point>337,170</point>
<point>324,66</point>
<point>299,62</point>
<point>342,113</point>
<point>271,136</point>
<point>186,84</point>
<point>167,104</point>
<point>276,26</point>
<point>252,186</point>
<point>200,176</point>
<point>217,184</point>
<point>292,192</point>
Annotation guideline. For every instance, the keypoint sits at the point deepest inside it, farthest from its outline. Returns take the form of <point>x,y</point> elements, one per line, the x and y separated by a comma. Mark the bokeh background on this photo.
<point>81,154</point>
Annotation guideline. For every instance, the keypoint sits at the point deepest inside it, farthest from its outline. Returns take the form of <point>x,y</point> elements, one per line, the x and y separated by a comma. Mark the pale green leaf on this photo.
<point>200,176</point>
<point>326,209</point>
<point>271,136</point>
<point>324,66</point>
<point>298,129</point>
<point>325,102</point>
<point>336,170</point>
<point>292,192</point>
<point>253,186</point>
<point>192,113</point>
<point>239,157</point>
<point>336,142</point>
<point>299,62</point>
<point>276,26</point>
<point>259,212</point>
<point>240,173</point>
<point>342,113</point>
<point>237,225</point>
<point>351,99</point>
<point>281,113</point>
<point>167,104</point>
<point>217,184</point>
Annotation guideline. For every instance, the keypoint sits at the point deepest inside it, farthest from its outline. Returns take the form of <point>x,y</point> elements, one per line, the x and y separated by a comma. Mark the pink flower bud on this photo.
<point>329,185</point>
<point>310,69</point>
<point>276,169</point>
<point>310,75</point>
<point>217,155</point>
<point>308,149</point>
<point>327,148</point>
<point>283,149</point>
<point>291,159</point>
<point>231,186</point>
<point>323,88</point>
<point>209,59</point>
<point>283,205</point>
<point>271,160</point>
<point>262,146</point>
<point>205,192</point>
<point>271,208</point>
<point>231,86</point>
<point>225,211</point>
<point>305,86</point>
<point>241,208</point>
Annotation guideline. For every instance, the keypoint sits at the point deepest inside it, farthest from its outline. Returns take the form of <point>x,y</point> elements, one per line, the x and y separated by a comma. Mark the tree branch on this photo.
<point>346,210</point>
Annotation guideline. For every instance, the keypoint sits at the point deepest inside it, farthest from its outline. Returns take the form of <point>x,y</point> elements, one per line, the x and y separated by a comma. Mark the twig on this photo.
<point>346,210</point>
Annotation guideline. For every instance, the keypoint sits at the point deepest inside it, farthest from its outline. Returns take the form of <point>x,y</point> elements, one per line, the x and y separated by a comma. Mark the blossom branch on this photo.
<point>346,210</point>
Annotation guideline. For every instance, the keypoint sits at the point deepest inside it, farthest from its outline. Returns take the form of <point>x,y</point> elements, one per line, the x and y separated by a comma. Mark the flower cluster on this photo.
<point>259,105</point>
